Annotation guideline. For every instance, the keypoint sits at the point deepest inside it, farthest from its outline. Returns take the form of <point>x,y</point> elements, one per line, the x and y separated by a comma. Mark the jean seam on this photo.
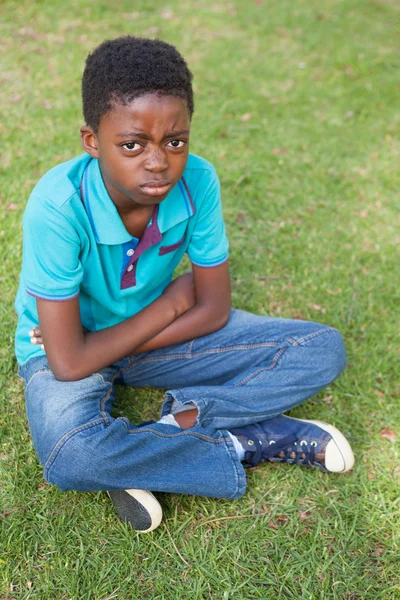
<point>183,433</point>
<point>43,371</point>
<point>111,382</point>
<point>255,373</point>
<point>64,439</point>
<point>310,336</point>
<point>105,418</point>
<point>210,351</point>
<point>101,377</point>
<point>106,396</point>
<point>39,372</point>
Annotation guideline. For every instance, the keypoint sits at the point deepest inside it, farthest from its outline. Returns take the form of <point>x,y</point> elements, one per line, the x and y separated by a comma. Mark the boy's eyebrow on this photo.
<point>179,132</point>
<point>146,137</point>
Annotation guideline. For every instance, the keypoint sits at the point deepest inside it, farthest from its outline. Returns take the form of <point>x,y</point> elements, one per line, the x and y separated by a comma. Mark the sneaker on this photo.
<point>137,507</point>
<point>296,441</point>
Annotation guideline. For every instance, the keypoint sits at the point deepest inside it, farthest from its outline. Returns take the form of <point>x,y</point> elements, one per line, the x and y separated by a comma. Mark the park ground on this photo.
<point>297,105</point>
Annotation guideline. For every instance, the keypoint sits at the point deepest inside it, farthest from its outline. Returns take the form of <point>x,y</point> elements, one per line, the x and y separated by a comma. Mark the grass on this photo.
<point>297,105</point>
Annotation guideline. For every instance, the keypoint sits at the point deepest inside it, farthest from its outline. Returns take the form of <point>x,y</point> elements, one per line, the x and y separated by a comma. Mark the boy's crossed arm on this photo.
<point>191,306</point>
<point>210,312</point>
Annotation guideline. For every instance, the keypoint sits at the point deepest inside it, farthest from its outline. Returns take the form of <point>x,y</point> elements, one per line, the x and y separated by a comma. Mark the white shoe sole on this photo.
<point>339,457</point>
<point>137,507</point>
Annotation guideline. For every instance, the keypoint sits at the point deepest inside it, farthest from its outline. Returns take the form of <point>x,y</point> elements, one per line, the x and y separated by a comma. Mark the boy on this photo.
<point>103,234</point>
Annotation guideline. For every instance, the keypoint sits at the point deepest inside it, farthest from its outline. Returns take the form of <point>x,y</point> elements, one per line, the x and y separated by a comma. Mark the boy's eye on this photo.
<point>176,143</point>
<point>131,146</point>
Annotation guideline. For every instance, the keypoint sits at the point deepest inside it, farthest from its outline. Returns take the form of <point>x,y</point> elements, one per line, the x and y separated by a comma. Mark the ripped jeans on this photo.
<point>252,369</point>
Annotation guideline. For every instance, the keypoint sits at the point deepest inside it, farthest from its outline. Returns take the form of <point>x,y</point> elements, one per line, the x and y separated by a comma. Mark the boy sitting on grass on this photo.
<point>103,234</point>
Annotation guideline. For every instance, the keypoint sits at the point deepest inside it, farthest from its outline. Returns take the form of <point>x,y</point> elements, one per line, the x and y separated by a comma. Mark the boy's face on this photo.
<point>142,148</point>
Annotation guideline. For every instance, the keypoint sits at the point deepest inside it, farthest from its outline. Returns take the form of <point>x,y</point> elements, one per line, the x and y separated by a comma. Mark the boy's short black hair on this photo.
<point>120,70</point>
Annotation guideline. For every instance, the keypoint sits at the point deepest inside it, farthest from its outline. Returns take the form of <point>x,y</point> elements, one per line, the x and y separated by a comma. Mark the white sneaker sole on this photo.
<point>339,457</point>
<point>137,507</point>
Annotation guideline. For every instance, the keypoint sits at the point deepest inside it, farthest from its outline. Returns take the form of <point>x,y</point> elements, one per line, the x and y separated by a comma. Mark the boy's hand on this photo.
<point>36,337</point>
<point>182,290</point>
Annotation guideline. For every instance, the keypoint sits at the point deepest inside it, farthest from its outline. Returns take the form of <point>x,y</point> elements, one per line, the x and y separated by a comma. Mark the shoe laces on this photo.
<point>287,449</point>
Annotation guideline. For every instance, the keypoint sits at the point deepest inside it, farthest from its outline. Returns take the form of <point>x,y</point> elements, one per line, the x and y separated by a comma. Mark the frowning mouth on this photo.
<point>155,188</point>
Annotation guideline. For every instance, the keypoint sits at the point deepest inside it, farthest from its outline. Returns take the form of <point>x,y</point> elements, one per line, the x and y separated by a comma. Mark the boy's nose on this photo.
<point>156,161</point>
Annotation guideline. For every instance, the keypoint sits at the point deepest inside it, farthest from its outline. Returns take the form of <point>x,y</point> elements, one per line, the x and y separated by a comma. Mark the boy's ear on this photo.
<point>89,141</point>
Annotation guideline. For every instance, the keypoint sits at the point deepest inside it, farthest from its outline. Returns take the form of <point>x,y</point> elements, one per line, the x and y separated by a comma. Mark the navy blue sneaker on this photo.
<point>296,441</point>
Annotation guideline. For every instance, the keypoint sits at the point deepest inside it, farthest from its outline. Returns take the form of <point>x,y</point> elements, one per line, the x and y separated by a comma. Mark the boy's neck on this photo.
<point>136,220</point>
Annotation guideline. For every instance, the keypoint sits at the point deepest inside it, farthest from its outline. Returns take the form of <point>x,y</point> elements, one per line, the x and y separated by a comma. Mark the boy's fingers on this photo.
<point>36,340</point>
<point>35,332</point>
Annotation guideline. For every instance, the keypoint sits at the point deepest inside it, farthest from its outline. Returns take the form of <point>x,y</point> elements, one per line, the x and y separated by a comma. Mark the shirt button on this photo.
<point>130,252</point>
<point>130,268</point>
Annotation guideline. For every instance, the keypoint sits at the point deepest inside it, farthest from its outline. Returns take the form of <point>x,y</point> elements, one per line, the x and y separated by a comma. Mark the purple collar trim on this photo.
<point>151,236</point>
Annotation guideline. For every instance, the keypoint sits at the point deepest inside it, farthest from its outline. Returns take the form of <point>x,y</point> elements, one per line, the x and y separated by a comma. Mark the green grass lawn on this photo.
<point>298,107</point>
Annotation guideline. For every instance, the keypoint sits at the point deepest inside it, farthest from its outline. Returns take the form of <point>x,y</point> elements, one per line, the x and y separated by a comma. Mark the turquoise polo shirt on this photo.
<point>75,244</point>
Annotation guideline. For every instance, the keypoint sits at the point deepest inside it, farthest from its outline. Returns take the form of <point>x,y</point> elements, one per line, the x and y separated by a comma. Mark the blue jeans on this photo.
<point>253,369</point>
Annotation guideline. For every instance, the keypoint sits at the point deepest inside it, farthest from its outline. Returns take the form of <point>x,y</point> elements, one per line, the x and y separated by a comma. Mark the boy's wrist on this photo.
<point>172,306</point>
<point>181,292</point>
<point>181,306</point>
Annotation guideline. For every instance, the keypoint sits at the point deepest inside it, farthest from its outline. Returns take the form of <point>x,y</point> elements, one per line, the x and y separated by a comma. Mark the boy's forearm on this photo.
<point>73,354</point>
<point>104,347</point>
<point>196,322</point>
<point>210,313</point>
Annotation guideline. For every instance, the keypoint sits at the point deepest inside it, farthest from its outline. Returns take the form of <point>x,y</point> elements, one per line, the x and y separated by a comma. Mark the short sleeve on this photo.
<point>51,249</point>
<point>208,246</point>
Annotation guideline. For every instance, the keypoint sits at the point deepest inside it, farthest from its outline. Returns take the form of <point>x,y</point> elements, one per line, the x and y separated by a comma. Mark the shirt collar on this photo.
<point>106,223</point>
<point>178,206</point>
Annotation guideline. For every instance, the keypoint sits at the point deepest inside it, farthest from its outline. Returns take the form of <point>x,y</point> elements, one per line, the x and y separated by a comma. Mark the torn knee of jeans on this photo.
<point>178,407</point>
